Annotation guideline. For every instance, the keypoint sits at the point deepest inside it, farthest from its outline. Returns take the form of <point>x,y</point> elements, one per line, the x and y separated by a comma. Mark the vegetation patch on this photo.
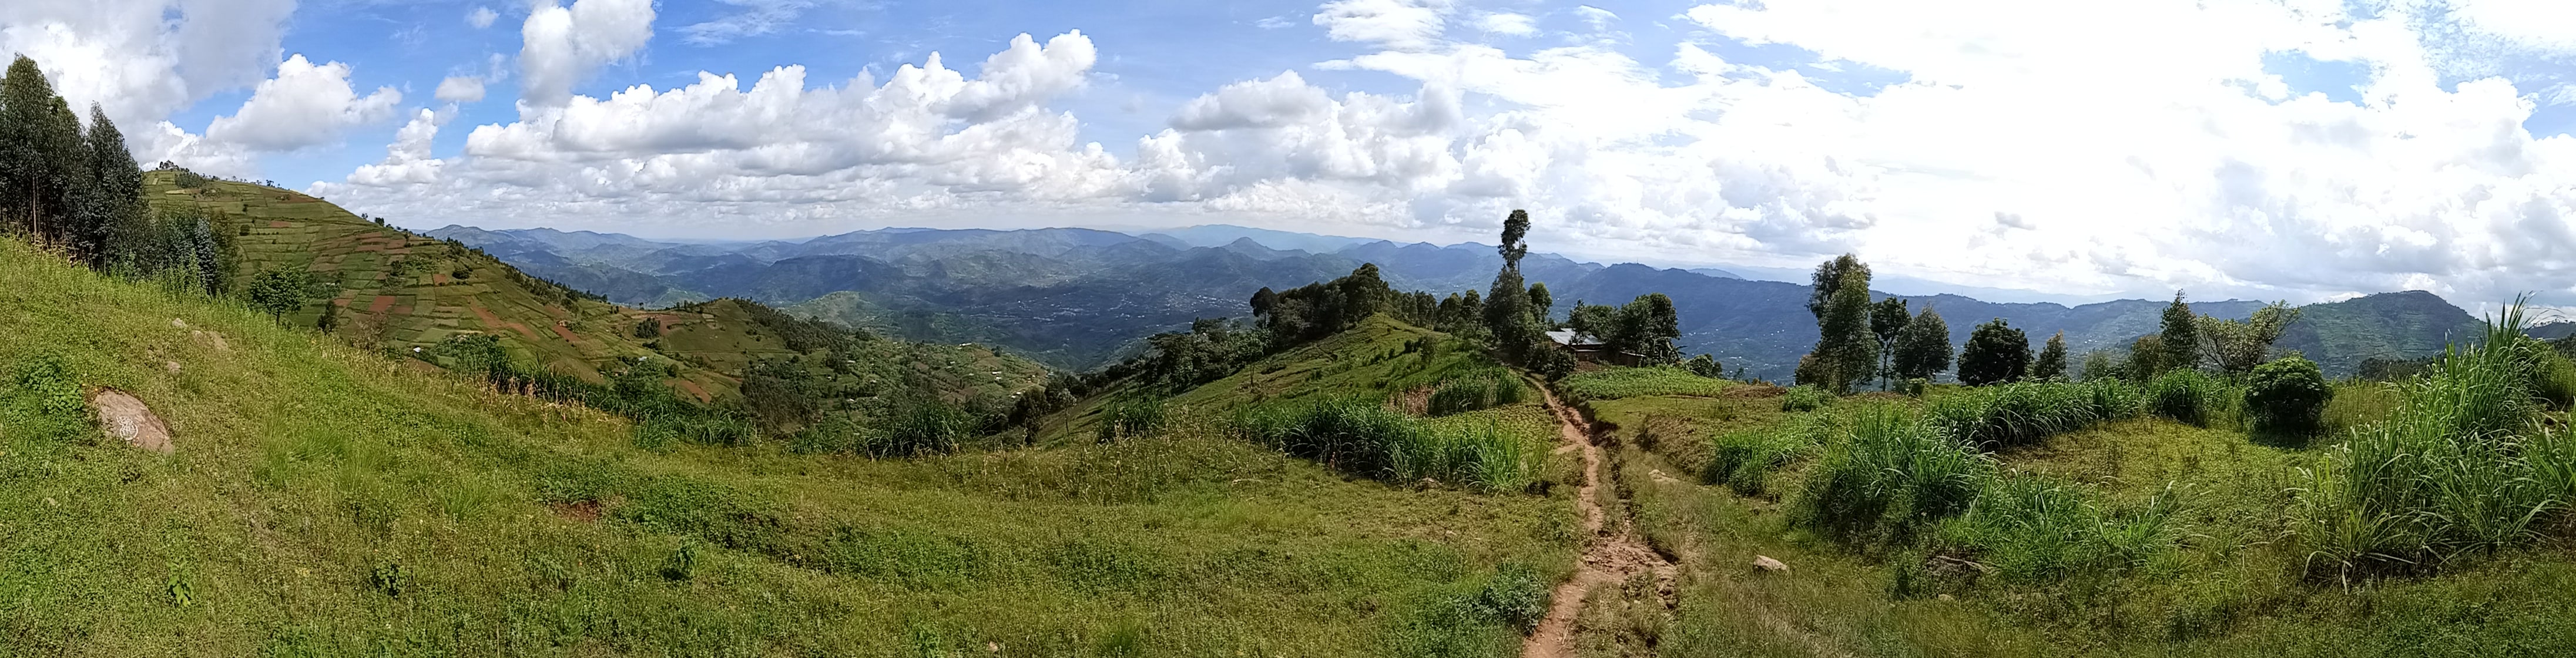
<point>1617,383</point>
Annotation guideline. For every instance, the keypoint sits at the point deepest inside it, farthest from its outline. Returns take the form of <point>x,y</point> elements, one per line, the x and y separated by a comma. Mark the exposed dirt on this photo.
<point>587,510</point>
<point>1611,555</point>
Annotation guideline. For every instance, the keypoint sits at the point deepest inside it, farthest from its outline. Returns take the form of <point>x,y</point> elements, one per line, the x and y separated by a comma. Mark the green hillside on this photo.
<point>2131,534</point>
<point>394,291</point>
<point>323,500</point>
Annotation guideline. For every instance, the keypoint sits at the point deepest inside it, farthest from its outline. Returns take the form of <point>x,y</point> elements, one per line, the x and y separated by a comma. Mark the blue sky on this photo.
<point>2304,149</point>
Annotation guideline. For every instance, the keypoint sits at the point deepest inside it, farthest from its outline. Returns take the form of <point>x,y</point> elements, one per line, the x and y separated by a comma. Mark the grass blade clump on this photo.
<point>1482,389</point>
<point>1893,471</point>
<point>2463,467</point>
<point>1744,460</point>
<point>1805,398</point>
<point>1359,436</point>
<point>2034,530</point>
<point>2023,414</point>
<point>2192,397</point>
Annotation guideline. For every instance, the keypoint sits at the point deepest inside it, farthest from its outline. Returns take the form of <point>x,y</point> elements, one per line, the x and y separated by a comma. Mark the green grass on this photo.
<point>1617,383</point>
<point>2135,535</point>
<point>328,501</point>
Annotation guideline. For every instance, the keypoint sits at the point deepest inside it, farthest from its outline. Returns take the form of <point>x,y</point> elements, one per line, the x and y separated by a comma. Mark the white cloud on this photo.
<point>143,60</point>
<point>1395,24</point>
<point>305,105</point>
<point>758,17</point>
<point>1507,24</point>
<point>561,46</point>
<point>481,17</point>
<point>460,89</point>
<point>925,138</point>
<point>407,161</point>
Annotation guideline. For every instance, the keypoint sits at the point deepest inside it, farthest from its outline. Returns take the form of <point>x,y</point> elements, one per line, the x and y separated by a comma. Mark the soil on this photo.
<point>1611,555</point>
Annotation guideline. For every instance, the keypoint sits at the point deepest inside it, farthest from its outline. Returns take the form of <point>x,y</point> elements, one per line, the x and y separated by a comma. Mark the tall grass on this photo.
<point>1894,471</point>
<point>1480,389</point>
<point>2025,413</point>
<point>1363,437</point>
<point>2461,468</point>
<point>2034,530</point>
<point>2193,397</point>
<point>1744,460</point>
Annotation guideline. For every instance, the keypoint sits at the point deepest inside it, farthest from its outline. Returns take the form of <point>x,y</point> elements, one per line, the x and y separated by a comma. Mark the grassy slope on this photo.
<point>397,307</point>
<point>310,478</point>
<point>2232,591</point>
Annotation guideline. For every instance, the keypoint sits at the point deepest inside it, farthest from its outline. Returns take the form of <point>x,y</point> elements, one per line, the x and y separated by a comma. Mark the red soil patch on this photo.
<point>565,333</point>
<point>1753,391</point>
<point>587,510</point>
<point>279,224</point>
<point>693,389</point>
<point>438,279</point>
<point>489,320</point>
<point>400,310</point>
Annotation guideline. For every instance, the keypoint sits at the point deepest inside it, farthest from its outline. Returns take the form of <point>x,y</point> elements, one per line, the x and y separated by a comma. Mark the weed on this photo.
<point>1805,398</point>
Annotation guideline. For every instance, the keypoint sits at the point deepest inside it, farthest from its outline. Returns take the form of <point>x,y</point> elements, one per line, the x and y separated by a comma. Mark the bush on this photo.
<point>1744,461</point>
<point>927,427</point>
<point>2287,395</point>
<point>1805,398</point>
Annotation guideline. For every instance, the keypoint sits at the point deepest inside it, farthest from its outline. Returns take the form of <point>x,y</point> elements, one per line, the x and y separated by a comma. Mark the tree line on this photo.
<point>75,188</point>
<point>1860,341</point>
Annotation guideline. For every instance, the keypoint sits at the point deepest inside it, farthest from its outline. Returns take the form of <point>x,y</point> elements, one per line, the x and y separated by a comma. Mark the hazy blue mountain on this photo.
<point>1078,298</point>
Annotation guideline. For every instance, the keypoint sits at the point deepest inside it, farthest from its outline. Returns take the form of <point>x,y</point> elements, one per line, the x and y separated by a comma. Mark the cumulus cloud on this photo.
<point>143,60</point>
<point>561,46</point>
<point>481,17</point>
<point>460,89</point>
<point>305,105</point>
<point>926,137</point>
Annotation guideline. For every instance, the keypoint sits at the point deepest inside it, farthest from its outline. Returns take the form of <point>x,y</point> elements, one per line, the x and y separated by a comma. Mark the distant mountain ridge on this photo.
<point>1078,298</point>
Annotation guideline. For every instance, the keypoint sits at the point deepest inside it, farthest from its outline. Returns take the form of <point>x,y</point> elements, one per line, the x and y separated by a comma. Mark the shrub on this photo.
<point>2287,395</point>
<point>1805,398</point>
<point>926,427</point>
<point>1893,472</point>
<point>1476,390</point>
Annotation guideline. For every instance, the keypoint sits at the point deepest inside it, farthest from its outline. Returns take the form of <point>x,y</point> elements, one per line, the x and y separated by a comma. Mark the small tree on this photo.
<point>2146,358</point>
<point>2239,345</point>
<point>2287,395</point>
<point>1845,352</point>
<point>1705,366</point>
<point>279,292</point>
<point>1923,346</point>
<point>1996,353</point>
<point>2101,365</point>
<point>651,327</point>
<point>2052,359</point>
<point>1887,319</point>
<point>2180,337</point>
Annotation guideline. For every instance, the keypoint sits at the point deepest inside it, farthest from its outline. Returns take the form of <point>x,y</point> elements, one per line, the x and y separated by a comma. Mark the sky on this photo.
<point>2308,150</point>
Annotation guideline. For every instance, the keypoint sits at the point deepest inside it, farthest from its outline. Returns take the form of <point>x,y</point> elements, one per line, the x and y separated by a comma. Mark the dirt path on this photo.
<point>1611,555</point>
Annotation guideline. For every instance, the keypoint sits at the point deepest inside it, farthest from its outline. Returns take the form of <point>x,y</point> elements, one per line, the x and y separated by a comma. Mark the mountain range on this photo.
<point>1079,298</point>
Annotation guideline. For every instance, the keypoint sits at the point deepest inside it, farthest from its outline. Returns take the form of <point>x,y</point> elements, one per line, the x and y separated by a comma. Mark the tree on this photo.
<point>2101,365</point>
<point>2239,345</point>
<point>41,155</point>
<point>1705,366</point>
<point>1541,302</point>
<point>1507,304</point>
<point>1594,321</point>
<point>1996,353</point>
<point>1887,319</point>
<point>2052,359</point>
<point>1923,346</point>
<point>2146,358</point>
<point>2181,337</point>
<point>1845,350</point>
<point>1647,327</point>
<point>113,222</point>
<point>279,292</point>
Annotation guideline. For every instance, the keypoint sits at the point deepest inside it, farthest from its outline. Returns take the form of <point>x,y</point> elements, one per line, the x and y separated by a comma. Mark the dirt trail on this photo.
<point>1611,555</point>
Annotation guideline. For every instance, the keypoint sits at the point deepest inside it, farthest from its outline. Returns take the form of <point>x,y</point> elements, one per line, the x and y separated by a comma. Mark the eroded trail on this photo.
<point>1612,553</point>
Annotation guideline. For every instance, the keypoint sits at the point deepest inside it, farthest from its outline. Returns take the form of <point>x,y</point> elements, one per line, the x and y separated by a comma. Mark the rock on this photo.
<point>175,322</point>
<point>1946,597</point>
<point>125,417</point>
<point>211,339</point>
<point>1765,563</point>
<point>172,366</point>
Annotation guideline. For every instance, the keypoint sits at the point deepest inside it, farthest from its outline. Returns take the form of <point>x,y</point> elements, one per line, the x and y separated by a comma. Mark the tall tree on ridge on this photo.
<point>1845,351</point>
<point>2180,337</point>
<point>1923,347</point>
<point>1887,319</point>
<point>113,220</point>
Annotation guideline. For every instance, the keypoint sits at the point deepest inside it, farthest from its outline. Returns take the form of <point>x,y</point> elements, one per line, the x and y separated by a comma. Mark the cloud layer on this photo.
<point>2076,148</point>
